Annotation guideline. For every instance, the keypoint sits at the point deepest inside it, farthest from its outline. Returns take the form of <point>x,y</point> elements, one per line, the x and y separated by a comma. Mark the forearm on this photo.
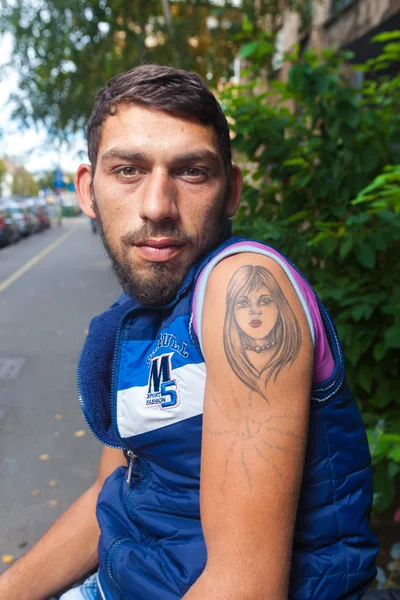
<point>66,552</point>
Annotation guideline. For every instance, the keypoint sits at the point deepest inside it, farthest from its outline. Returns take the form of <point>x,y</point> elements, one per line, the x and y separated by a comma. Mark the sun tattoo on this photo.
<point>251,435</point>
<point>261,332</point>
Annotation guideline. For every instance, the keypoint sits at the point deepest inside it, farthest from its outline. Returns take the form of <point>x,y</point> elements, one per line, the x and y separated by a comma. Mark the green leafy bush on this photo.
<point>323,186</point>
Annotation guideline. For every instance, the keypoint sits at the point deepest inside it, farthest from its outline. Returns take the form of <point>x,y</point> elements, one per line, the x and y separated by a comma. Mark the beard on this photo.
<point>158,283</point>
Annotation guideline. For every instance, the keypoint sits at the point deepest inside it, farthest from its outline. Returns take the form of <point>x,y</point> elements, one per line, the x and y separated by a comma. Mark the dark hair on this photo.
<point>170,90</point>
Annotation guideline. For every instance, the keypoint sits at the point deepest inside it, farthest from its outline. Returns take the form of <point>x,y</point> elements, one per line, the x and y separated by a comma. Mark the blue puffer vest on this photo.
<point>141,380</point>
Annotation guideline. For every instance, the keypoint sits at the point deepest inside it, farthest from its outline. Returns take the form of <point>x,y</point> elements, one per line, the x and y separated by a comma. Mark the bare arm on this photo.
<point>258,352</point>
<point>67,551</point>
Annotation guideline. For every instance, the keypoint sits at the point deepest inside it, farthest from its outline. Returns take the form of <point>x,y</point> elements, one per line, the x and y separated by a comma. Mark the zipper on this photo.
<point>113,393</point>
<point>132,457</point>
<point>113,398</point>
<point>110,559</point>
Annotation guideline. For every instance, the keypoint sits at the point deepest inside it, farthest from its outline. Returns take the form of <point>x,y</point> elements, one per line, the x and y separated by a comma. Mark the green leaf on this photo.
<point>369,158</point>
<point>346,246</point>
<point>383,487</point>
<point>393,469</point>
<point>296,162</point>
<point>366,378</point>
<point>247,25</point>
<point>366,255</point>
<point>391,437</point>
<point>369,419</point>
<point>379,351</point>
<point>380,400</point>
<point>255,48</point>
<point>357,313</point>
<point>348,113</point>
<point>296,80</point>
<point>392,337</point>
<point>354,352</point>
<point>386,36</point>
<point>329,245</point>
<point>323,84</point>
<point>320,237</point>
<point>299,216</point>
<point>395,454</point>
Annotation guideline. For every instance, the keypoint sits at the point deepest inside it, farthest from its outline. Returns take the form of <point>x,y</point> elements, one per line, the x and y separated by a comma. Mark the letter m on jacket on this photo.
<point>162,388</point>
<point>160,372</point>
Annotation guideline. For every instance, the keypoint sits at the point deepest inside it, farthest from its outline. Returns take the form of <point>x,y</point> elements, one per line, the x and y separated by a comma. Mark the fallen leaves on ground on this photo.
<point>44,457</point>
<point>6,559</point>
<point>36,493</point>
<point>52,502</point>
<point>80,433</point>
<point>58,417</point>
<point>52,483</point>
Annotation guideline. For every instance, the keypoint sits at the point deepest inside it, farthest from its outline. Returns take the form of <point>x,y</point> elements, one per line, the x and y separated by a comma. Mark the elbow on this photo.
<point>236,583</point>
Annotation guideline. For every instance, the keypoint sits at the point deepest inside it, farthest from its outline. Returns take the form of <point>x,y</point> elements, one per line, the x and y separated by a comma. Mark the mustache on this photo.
<point>155,230</point>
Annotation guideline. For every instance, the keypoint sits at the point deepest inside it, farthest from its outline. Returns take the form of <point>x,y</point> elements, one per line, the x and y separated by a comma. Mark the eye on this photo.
<point>264,301</point>
<point>242,303</point>
<point>127,172</point>
<point>194,174</point>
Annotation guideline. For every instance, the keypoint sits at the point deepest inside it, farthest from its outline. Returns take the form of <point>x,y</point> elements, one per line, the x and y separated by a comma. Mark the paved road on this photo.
<point>47,455</point>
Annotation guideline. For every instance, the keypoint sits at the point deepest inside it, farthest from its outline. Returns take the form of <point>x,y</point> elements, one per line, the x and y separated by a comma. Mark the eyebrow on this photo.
<point>124,155</point>
<point>198,155</point>
<point>187,157</point>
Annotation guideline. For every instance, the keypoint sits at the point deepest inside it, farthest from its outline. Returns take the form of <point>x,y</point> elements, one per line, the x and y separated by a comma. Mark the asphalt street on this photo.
<point>51,285</point>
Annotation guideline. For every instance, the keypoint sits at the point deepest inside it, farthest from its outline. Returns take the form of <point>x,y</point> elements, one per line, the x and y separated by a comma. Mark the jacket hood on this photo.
<point>95,370</point>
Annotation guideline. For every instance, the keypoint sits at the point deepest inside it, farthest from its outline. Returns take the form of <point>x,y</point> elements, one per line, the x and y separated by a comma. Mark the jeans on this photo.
<point>86,591</point>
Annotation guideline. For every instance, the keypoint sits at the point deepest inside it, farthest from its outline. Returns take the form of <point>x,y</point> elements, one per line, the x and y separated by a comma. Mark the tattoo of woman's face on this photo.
<point>261,332</point>
<point>256,313</point>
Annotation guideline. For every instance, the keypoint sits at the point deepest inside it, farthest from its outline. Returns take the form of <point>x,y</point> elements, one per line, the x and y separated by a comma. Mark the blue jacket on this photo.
<point>141,380</point>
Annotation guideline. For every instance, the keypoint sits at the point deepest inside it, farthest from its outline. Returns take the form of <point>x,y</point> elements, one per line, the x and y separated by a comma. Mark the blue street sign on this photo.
<point>58,179</point>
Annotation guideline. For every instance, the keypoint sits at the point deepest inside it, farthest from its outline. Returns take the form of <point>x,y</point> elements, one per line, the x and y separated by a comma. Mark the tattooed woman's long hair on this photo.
<point>286,331</point>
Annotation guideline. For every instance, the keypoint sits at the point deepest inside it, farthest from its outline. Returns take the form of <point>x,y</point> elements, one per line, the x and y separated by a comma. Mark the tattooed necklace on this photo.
<point>257,348</point>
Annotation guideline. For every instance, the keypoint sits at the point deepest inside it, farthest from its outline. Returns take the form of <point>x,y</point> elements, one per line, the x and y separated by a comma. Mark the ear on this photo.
<point>83,180</point>
<point>235,192</point>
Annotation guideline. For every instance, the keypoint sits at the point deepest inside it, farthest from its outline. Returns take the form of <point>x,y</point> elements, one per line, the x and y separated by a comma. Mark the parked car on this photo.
<point>43,213</point>
<point>38,207</point>
<point>9,232</point>
<point>20,216</point>
<point>33,219</point>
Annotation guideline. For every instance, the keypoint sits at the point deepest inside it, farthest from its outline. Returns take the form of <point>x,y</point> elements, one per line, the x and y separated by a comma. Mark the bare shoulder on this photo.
<point>253,317</point>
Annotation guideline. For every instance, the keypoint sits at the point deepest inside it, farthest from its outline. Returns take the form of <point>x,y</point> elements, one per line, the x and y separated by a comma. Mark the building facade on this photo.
<point>348,24</point>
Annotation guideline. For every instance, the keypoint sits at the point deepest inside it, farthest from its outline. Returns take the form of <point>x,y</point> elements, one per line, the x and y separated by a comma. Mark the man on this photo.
<point>218,350</point>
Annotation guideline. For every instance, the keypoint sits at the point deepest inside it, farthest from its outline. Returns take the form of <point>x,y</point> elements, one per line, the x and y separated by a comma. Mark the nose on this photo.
<point>255,310</point>
<point>159,200</point>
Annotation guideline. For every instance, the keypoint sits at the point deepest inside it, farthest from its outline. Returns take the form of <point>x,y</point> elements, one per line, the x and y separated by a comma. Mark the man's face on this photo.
<point>160,194</point>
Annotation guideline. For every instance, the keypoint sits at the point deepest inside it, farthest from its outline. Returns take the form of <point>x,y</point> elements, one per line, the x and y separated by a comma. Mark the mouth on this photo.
<point>159,249</point>
<point>255,323</point>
